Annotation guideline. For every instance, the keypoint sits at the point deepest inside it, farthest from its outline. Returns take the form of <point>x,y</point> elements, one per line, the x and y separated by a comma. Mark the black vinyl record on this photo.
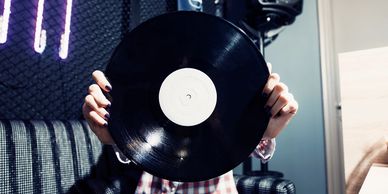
<point>211,116</point>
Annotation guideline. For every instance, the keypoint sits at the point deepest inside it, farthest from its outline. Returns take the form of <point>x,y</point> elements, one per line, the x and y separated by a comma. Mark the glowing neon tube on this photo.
<point>64,46</point>
<point>4,21</point>
<point>40,33</point>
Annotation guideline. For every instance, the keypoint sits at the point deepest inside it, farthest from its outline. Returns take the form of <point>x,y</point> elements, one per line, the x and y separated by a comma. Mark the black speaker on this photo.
<point>263,15</point>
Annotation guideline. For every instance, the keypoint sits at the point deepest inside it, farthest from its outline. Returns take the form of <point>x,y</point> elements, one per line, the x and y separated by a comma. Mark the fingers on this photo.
<point>273,80</point>
<point>97,123</point>
<point>290,108</point>
<point>279,90</point>
<point>282,101</point>
<point>95,109</point>
<point>281,112</point>
<point>278,123</point>
<point>101,80</point>
<point>99,97</point>
<point>281,105</point>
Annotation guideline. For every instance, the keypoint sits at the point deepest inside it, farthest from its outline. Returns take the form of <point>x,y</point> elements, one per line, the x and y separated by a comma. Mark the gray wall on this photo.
<point>360,24</point>
<point>300,147</point>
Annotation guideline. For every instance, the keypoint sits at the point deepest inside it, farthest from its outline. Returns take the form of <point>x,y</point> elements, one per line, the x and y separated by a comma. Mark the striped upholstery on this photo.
<point>45,156</point>
<point>263,185</point>
<point>66,157</point>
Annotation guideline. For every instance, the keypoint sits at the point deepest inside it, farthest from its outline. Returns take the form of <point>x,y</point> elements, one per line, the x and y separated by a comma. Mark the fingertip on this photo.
<point>93,88</point>
<point>293,110</point>
<point>272,81</point>
<point>275,76</point>
<point>88,99</point>
<point>108,88</point>
<point>101,80</point>
<point>97,73</point>
<point>97,118</point>
<point>107,116</point>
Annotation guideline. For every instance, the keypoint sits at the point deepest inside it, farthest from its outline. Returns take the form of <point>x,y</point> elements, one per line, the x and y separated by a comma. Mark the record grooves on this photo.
<point>187,102</point>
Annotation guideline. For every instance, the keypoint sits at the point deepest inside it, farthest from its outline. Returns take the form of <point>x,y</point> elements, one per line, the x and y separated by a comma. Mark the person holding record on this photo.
<point>280,106</point>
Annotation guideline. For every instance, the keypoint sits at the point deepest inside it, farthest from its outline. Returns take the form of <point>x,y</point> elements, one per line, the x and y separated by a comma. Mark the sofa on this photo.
<point>64,156</point>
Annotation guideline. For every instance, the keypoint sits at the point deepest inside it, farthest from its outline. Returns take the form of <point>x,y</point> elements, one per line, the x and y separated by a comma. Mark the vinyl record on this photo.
<point>186,98</point>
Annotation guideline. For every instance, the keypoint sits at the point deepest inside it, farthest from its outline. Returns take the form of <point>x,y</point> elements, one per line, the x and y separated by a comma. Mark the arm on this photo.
<point>281,107</point>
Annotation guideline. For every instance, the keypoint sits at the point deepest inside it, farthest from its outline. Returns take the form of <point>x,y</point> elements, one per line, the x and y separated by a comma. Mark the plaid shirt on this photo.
<point>223,184</point>
<point>219,185</point>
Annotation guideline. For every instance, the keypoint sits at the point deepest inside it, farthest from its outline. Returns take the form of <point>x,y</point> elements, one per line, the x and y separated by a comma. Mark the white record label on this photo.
<point>187,97</point>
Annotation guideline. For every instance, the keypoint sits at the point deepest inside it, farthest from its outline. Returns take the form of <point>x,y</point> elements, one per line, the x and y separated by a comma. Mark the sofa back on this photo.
<point>45,156</point>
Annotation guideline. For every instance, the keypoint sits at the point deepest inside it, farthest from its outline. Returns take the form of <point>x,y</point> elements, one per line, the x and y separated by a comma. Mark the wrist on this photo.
<point>265,149</point>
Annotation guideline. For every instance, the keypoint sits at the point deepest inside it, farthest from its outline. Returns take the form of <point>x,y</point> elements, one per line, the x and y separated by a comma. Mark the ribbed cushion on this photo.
<point>263,185</point>
<point>45,156</point>
<point>66,157</point>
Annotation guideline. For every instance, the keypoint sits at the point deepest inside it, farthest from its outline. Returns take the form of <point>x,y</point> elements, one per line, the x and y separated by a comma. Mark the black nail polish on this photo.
<point>109,88</point>
<point>105,124</point>
<point>107,116</point>
<point>108,105</point>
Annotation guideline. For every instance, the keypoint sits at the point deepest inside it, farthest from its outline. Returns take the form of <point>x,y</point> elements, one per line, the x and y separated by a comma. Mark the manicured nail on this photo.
<point>105,124</point>
<point>108,105</point>
<point>107,116</point>
<point>108,87</point>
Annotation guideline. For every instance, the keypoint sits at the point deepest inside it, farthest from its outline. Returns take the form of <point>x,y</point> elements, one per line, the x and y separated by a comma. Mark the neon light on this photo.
<point>4,20</point>
<point>64,47</point>
<point>40,33</point>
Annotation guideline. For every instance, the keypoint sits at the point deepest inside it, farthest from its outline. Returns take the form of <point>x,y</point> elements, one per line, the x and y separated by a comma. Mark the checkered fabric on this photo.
<point>223,184</point>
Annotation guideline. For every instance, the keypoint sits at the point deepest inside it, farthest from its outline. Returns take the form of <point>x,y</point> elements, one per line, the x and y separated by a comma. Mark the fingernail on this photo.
<point>107,116</point>
<point>108,105</point>
<point>108,87</point>
<point>105,124</point>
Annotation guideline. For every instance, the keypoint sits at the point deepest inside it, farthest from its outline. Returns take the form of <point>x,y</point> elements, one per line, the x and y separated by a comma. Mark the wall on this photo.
<point>300,153</point>
<point>360,24</point>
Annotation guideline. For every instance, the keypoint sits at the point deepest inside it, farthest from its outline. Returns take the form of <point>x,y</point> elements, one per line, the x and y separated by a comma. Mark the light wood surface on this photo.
<point>364,97</point>
<point>376,180</point>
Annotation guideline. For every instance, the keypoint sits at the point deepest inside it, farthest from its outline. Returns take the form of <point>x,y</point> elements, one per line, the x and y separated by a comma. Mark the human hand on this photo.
<point>281,106</point>
<point>95,107</point>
